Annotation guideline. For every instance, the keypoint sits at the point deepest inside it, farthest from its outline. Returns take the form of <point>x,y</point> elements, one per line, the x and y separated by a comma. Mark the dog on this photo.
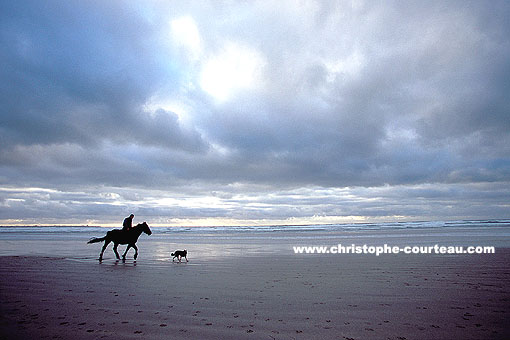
<point>179,254</point>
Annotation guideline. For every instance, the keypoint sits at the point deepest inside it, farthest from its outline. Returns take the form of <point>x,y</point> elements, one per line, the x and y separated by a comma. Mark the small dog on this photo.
<point>180,254</point>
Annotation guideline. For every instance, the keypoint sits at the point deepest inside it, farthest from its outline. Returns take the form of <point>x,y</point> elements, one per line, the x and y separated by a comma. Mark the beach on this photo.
<point>251,286</point>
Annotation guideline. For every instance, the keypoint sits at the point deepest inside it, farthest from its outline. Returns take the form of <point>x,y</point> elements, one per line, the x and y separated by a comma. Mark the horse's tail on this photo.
<point>172,254</point>
<point>96,239</point>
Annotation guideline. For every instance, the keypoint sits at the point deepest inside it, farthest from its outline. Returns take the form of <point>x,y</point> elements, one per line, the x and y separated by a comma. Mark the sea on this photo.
<point>209,243</point>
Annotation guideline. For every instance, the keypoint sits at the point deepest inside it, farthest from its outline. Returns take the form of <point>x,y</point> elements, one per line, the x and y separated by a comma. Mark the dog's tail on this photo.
<point>173,254</point>
<point>96,239</point>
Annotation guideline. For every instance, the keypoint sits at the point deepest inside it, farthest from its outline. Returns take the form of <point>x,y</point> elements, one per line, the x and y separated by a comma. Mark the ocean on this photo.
<point>208,243</point>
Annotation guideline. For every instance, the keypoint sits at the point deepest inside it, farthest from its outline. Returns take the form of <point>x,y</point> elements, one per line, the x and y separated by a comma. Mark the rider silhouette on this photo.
<point>128,223</point>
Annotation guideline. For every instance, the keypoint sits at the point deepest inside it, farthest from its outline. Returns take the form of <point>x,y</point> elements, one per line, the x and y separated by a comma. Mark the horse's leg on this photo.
<point>115,250</point>
<point>136,250</point>
<point>106,243</point>
<point>124,256</point>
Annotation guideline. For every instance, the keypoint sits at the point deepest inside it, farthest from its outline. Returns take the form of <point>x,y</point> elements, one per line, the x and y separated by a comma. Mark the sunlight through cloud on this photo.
<point>235,68</point>
<point>185,33</point>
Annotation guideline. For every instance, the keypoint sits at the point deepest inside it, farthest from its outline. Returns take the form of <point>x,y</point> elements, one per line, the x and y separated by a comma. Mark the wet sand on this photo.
<point>258,297</point>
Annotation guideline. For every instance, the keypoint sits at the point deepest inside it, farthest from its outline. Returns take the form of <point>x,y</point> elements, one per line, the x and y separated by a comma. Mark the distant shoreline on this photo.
<point>388,223</point>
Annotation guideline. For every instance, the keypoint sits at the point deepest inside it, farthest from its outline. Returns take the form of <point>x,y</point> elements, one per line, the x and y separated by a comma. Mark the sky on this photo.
<point>253,112</point>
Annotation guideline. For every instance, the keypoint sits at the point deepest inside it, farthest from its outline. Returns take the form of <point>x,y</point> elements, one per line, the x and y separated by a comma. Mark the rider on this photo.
<point>128,223</point>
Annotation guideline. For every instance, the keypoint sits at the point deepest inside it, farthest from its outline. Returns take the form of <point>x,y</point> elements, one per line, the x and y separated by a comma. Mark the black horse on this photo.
<point>117,236</point>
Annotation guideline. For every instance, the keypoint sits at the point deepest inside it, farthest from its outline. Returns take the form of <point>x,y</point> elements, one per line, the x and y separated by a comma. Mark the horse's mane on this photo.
<point>140,225</point>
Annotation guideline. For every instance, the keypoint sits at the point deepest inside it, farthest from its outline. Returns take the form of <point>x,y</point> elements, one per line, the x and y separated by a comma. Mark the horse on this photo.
<point>118,236</point>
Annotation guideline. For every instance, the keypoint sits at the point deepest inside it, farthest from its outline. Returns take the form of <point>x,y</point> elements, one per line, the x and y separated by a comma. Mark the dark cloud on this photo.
<point>81,73</point>
<point>346,95</point>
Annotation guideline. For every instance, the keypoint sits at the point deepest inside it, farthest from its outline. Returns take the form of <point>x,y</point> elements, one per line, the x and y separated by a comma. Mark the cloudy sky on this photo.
<point>253,112</point>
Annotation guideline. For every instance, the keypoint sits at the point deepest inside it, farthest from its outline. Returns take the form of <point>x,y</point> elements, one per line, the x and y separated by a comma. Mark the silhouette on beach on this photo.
<point>179,254</point>
<point>128,223</point>
<point>118,236</point>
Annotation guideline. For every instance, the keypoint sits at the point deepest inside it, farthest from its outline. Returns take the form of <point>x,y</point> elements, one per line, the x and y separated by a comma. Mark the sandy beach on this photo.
<point>257,296</point>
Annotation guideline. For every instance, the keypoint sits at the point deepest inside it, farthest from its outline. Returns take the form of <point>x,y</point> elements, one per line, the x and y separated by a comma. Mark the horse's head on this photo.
<point>145,228</point>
